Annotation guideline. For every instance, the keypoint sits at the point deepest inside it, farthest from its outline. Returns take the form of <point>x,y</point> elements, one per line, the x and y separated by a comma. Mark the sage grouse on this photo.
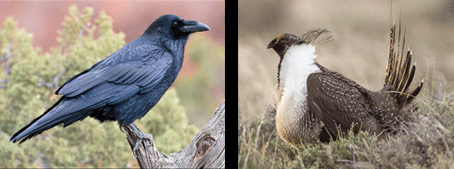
<point>315,101</point>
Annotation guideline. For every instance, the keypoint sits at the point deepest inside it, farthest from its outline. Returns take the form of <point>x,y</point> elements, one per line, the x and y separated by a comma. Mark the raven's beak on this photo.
<point>193,26</point>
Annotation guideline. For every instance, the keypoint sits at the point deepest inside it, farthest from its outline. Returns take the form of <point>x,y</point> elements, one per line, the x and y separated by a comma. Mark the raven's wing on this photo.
<point>144,66</point>
<point>338,101</point>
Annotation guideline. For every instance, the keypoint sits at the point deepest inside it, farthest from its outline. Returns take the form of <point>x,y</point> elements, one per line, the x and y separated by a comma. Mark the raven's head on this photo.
<point>175,27</point>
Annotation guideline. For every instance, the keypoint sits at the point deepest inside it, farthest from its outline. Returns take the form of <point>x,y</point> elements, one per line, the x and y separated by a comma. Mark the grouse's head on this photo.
<point>175,27</point>
<point>281,43</point>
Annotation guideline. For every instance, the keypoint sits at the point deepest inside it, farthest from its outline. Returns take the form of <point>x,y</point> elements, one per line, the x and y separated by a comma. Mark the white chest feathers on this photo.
<point>292,120</point>
<point>298,63</point>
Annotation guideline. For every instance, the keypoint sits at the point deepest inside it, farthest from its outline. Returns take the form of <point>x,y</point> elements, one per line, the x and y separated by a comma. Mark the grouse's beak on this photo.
<point>272,43</point>
<point>193,26</point>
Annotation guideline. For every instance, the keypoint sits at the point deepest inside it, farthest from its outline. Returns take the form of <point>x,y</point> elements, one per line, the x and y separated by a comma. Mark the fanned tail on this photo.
<point>400,72</point>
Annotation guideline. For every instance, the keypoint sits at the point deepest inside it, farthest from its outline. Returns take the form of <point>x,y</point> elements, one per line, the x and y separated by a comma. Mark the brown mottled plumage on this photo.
<point>315,101</point>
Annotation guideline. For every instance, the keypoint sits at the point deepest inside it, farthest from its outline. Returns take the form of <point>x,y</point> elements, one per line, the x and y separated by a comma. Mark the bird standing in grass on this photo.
<point>316,103</point>
<point>124,86</point>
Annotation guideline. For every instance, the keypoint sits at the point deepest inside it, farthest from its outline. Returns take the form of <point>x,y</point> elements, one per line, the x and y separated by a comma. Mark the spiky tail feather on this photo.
<point>400,72</point>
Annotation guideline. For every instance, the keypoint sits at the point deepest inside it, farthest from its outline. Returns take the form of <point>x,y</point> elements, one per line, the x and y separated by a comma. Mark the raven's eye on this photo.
<point>174,23</point>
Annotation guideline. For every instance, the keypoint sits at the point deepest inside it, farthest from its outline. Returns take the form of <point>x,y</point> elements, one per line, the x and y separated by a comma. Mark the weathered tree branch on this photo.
<point>206,150</point>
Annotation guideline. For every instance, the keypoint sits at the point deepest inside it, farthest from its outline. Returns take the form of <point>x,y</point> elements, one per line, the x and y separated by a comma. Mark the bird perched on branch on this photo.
<point>124,86</point>
<point>314,100</point>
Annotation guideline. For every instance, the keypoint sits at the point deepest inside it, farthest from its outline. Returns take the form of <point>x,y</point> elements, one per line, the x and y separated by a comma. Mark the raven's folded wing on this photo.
<point>143,71</point>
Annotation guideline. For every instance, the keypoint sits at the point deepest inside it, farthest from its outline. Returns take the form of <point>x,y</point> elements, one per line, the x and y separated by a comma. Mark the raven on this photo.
<point>124,86</point>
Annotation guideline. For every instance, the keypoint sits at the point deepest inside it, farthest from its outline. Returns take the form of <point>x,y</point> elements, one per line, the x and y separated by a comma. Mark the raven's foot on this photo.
<point>141,136</point>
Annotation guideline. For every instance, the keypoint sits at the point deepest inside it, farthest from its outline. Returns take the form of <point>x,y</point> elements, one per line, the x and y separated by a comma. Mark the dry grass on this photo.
<point>426,141</point>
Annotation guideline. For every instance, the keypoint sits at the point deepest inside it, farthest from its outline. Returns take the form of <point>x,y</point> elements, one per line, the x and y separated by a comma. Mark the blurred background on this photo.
<point>358,48</point>
<point>43,19</point>
<point>132,18</point>
<point>39,40</point>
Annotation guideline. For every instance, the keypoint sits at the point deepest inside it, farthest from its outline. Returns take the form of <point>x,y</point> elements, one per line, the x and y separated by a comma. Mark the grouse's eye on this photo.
<point>175,23</point>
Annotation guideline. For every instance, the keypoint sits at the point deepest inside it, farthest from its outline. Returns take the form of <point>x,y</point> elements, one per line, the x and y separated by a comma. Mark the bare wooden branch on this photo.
<point>206,150</point>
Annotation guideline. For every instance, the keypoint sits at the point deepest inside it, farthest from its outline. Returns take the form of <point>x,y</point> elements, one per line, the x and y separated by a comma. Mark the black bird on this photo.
<point>124,86</point>
<point>314,100</point>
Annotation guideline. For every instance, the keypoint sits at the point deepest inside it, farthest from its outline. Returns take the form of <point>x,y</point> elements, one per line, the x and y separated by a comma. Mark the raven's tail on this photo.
<point>52,117</point>
<point>399,74</point>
